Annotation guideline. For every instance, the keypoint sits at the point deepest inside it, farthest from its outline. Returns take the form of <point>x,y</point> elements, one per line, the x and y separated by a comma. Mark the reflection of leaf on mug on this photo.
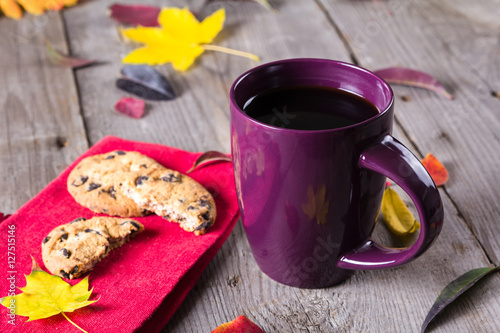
<point>254,162</point>
<point>236,161</point>
<point>316,206</point>
<point>260,162</point>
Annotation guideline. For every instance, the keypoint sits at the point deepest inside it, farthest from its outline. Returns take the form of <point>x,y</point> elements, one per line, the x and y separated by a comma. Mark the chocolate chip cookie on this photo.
<point>174,196</point>
<point>72,249</point>
<point>95,182</point>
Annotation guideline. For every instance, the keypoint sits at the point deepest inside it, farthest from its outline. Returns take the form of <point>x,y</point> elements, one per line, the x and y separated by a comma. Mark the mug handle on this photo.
<point>392,159</point>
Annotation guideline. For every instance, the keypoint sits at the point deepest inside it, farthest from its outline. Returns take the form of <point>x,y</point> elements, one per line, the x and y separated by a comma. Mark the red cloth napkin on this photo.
<point>141,284</point>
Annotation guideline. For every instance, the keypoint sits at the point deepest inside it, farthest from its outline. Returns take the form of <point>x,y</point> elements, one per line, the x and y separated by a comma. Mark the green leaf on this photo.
<point>454,289</point>
<point>397,216</point>
<point>46,295</point>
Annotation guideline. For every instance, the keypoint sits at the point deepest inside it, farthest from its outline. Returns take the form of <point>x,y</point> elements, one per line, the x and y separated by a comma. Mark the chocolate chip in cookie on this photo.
<point>174,196</point>
<point>95,182</point>
<point>73,249</point>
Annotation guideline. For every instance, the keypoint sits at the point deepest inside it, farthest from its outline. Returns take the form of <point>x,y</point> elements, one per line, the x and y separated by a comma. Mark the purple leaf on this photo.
<point>208,158</point>
<point>145,82</point>
<point>131,107</point>
<point>454,289</point>
<point>414,78</point>
<point>144,15</point>
<point>59,59</point>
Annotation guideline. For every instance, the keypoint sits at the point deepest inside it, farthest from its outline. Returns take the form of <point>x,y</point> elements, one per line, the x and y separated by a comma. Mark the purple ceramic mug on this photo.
<point>309,199</point>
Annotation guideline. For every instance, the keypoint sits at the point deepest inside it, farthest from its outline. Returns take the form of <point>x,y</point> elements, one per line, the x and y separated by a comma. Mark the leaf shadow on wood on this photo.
<point>147,109</point>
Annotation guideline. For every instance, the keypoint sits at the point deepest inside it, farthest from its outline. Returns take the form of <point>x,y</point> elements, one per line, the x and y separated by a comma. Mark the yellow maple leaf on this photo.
<point>179,40</point>
<point>46,295</point>
<point>12,9</point>
<point>397,216</point>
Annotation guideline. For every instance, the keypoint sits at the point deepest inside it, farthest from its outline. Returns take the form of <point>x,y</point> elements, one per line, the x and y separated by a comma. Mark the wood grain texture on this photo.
<point>395,305</point>
<point>41,130</point>
<point>456,41</point>
<point>202,110</point>
<point>394,300</point>
<point>470,30</point>
<point>462,133</point>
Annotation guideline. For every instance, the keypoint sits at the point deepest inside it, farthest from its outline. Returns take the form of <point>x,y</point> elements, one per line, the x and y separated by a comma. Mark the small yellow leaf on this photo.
<point>46,295</point>
<point>397,216</point>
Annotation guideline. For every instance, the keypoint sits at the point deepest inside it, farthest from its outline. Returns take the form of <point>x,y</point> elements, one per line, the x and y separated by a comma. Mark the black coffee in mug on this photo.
<point>309,108</point>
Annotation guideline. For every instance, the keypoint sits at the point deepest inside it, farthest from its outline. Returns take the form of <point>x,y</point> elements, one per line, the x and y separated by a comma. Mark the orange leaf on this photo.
<point>240,325</point>
<point>32,6</point>
<point>11,9</point>
<point>437,170</point>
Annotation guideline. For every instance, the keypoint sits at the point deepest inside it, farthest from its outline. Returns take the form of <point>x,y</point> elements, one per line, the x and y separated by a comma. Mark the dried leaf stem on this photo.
<point>81,329</point>
<point>211,47</point>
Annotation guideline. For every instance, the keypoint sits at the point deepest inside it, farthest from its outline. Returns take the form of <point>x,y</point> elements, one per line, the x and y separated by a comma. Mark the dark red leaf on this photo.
<point>239,325</point>
<point>57,58</point>
<point>131,107</point>
<point>3,217</point>
<point>208,158</point>
<point>413,78</point>
<point>144,15</point>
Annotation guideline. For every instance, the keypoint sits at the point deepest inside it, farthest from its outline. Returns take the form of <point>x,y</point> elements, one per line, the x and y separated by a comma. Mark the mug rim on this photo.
<point>240,78</point>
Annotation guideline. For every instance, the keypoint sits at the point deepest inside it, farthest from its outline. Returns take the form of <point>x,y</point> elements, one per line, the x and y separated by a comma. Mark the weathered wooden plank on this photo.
<point>470,30</point>
<point>277,308</point>
<point>462,132</point>
<point>41,130</point>
<point>390,301</point>
<point>199,118</point>
<point>394,300</point>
